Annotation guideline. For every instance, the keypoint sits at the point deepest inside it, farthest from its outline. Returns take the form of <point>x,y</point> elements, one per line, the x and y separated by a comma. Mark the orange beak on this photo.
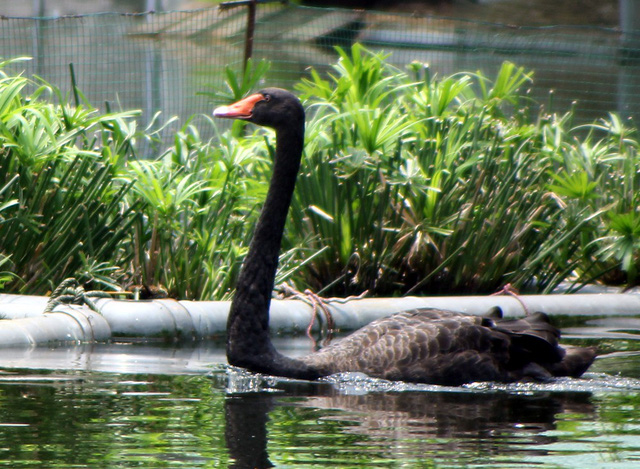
<point>242,109</point>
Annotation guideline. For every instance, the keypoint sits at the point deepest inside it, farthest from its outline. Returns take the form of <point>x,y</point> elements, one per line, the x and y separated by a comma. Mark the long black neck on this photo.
<point>248,342</point>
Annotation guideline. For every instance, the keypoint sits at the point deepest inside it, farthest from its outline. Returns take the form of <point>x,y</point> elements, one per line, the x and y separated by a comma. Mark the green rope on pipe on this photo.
<point>70,292</point>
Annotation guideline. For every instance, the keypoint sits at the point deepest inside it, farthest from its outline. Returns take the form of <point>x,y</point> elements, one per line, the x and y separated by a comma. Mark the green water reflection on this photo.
<point>92,419</point>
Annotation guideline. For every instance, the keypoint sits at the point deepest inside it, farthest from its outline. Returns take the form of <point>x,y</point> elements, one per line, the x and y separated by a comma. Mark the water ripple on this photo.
<point>242,381</point>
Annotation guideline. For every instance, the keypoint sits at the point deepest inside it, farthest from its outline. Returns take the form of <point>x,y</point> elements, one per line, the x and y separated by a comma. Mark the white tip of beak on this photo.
<point>221,111</point>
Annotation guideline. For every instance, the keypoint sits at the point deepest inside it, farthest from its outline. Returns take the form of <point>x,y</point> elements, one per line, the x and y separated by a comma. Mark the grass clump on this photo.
<point>60,213</point>
<point>421,185</point>
<point>424,185</point>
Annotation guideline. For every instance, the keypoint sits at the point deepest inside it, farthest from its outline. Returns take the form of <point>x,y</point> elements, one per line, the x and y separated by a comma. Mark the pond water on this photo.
<point>139,405</point>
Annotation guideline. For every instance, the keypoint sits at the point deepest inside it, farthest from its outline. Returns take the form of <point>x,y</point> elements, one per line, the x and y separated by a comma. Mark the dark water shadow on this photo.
<point>246,418</point>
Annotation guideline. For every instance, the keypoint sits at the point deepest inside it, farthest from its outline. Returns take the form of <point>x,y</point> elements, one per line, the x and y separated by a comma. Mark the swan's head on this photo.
<point>271,107</point>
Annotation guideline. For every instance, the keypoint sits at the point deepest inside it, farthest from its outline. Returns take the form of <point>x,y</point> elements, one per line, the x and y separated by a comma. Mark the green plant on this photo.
<point>190,236</point>
<point>59,200</point>
<point>420,185</point>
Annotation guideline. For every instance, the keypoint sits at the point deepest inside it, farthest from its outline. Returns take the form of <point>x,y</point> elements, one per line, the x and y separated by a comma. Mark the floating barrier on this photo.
<point>25,323</point>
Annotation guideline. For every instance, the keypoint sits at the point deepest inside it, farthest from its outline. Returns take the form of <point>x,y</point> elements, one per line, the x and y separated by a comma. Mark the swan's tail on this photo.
<point>575,362</point>
<point>535,340</point>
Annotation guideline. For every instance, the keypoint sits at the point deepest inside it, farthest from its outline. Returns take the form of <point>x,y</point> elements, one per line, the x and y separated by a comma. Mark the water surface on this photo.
<point>140,405</point>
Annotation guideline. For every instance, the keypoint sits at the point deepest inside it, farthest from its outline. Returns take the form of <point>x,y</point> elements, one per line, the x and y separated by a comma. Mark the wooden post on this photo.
<point>251,26</point>
<point>251,21</point>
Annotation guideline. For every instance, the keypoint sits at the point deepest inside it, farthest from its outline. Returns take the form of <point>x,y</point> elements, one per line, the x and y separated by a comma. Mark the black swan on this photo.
<point>425,345</point>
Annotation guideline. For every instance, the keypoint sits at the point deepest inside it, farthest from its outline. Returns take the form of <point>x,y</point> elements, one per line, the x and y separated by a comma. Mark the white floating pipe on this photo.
<point>202,319</point>
<point>70,324</point>
<point>171,319</point>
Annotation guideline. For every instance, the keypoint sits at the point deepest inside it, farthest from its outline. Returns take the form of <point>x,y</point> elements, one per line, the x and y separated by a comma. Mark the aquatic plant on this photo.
<point>421,185</point>
<point>62,214</point>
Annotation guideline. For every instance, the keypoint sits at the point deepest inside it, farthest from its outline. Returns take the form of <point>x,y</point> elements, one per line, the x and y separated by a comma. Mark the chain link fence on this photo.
<point>163,61</point>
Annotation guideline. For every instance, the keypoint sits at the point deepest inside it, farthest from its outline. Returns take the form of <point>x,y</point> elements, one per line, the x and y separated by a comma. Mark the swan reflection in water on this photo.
<point>431,424</point>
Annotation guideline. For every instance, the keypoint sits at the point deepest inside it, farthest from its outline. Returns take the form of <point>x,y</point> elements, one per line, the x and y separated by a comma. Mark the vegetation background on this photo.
<point>411,184</point>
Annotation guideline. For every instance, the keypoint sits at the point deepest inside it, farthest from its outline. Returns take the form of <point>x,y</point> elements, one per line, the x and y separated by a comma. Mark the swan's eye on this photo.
<point>267,97</point>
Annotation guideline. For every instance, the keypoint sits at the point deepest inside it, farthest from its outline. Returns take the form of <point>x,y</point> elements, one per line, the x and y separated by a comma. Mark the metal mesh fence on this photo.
<point>161,61</point>
<point>150,62</point>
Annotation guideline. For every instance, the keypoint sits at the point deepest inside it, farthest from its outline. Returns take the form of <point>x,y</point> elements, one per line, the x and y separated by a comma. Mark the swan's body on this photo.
<point>428,345</point>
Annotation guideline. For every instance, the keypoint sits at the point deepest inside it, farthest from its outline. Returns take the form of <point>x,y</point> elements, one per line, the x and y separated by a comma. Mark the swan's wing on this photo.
<point>431,346</point>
